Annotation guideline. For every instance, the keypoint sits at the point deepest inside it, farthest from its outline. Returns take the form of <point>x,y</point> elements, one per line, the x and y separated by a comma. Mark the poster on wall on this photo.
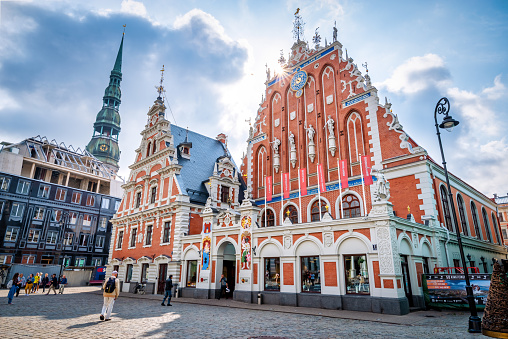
<point>451,288</point>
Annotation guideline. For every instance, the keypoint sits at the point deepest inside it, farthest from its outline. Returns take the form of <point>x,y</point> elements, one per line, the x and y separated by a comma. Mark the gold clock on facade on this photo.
<point>103,147</point>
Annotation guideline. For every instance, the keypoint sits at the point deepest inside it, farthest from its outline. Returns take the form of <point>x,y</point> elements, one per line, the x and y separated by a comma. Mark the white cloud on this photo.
<point>497,91</point>
<point>134,8</point>
<point>417,74</point>
<point>7,102</point>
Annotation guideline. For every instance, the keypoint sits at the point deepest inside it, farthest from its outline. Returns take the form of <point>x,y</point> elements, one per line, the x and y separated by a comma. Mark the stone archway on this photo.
<point>227,264</point>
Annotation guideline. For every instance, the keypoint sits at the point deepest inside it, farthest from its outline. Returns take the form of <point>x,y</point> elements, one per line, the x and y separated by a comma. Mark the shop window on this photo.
<point>224,197</point>
<point>105,203</point>
<point>23,187</point>
<point>144,273</point>
<point>99,242</point>
<point>272,274</point>
<point>73,218</point>
<point>33,235</point>
<point>52,237</point>
<point>314,210</point>
<point>310,272</point>
<point>192,266</point>
<point>119,240</point>
<point>476,221</point>
<point>57,215</point>
<point>17,210</point>
<point>153,196</point>
<point>496,228</point>
<point>11,234</point>
<point>134,233</point>
<point>357,277</point>
<point>292,213</point>
<point>128,273</point>
<point>486,224</point>
<point>268,216</point>
<point>351,206</point>
<point>446,208</point>
<point>138,199</point>
<point>148,239</point>
<point>68,238</point>
<point>60,194</point>
<point>39,213</point>
<point>76,197</point>
<point>44,191</point>
<point>462,215</point>
<point>4,183</point>
<point>90,200</point>
<point>167,232</point>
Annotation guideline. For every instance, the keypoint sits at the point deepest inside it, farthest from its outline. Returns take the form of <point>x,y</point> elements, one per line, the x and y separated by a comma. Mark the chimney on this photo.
<point>222,138</point>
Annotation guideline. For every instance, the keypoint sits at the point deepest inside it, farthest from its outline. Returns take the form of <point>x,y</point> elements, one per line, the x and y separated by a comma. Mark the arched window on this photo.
<point>446,208</point>
<point>496,228</point>
<point>486,223</point>
<point>270,216</point>
<point>292,213</point>
<point>355,137</point>
<point>261,166</point>
<point>351,206</point>
<point>314,210</point>
<point>476,221</point>
<point>148,149</point>
<point>154,149</point>
<point>462,215</point>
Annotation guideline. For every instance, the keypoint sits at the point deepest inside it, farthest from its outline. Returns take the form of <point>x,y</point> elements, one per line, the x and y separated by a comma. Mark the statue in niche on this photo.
<point>382,187</point>
<point>331,135</point>
<point>292,151</point>
<point>312,146</point>
<point>276,157</point>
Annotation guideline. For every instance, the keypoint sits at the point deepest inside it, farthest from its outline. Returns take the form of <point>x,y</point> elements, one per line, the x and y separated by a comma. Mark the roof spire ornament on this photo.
<point>335,32</point>
<point>317,38</point>
<point>298,26</point>
<point>282,60</point>
<point>160,88</point>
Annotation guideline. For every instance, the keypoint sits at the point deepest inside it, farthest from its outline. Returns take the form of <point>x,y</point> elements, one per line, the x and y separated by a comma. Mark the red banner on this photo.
<point>285,184</point>
<point>343,173</point>
<point>303,182</point>
<point>321,174</point>
<point>268,188</point>
<point>367,177</point>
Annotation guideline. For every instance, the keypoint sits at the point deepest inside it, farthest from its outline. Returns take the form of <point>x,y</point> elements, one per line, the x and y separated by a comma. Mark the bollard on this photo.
<point>259,298</point>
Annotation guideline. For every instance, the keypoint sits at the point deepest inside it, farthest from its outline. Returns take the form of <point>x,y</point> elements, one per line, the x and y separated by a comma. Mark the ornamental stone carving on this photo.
<point>328,240</point>
<point>288,239</point>
<point>381,190</point>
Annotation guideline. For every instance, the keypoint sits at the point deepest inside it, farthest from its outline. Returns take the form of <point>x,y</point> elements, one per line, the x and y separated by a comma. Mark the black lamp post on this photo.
<point>443,107</point>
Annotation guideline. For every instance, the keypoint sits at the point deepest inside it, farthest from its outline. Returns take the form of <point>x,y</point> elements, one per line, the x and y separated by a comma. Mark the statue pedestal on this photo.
<point>381,208</point>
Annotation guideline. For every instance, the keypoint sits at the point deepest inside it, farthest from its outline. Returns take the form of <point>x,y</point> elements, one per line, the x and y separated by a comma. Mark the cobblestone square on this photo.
<point>76,315</point>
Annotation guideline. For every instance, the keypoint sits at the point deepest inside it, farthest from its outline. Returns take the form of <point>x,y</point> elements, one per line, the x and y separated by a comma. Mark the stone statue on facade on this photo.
<point>292,150</point>
<point>276,157</point>
<point>382,186</point>
<point>332,146</point>
<point>312,146</point>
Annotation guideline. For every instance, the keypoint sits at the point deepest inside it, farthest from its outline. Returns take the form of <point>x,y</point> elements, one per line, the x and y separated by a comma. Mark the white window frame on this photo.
<point>96,261</point>
<point>58,196</point>
<point>162,232</point>
<point>68,238</point>
<point>20,208</point>
<point>146,236</point>
<point>75,194</point>
<point>38,213</point>
<point>87,220</point>
<point>78,261</point>
<point>71,214</point>
<point>99,241</point>
<point>10,231</point>
<point>118,238</point>
<point>90,200</point>
<point>5,182</point>
<point>25,187</point>
<point>103,223</point>
<point>105,203</point>
<point>135,236</point>
<point>55,212</point>
<point>86,237</point>
<point>117,204</point>
<point>31,235</point>
<point>45,189</point>
<point>52,237</point>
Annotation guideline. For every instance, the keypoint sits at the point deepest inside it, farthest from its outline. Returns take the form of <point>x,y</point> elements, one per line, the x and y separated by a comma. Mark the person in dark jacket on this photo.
<point>44,282</point>
<point>53,284</point>
<point>167,290</point>
<point>63,283</point>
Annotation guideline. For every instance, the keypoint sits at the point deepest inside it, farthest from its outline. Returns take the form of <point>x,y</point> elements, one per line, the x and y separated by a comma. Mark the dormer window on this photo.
<point>185,150</point>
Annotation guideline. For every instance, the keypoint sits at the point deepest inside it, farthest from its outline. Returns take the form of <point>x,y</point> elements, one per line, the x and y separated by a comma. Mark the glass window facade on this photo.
<point>351,206</point>
<point>272,274</point>
<point>314,210</point>
<point>310,273</point>
<point>17,210</point>
<point>134,233</point>
<point>33,235</point>
<point>52,237</point>
<point>4,183</point>
<point>23,187</point>
<point>357,276</point>
<point>105,203</point>
<point>76,197</point>
<point>144,273</point>
<point>43,191</point>
<point>60,194</point>
<point>167,232</point>
<point>68,239</point>
<point>11,234</point>
<point>39,213</point>
<point>192,266</point>
<point>148,239</point>
<point>128,273</point>
<point>119,240</point>
<point>90,200</point>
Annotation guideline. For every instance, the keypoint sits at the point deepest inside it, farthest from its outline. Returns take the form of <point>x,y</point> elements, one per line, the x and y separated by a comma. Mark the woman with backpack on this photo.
<point>111,291</point>
<point>12,286</point>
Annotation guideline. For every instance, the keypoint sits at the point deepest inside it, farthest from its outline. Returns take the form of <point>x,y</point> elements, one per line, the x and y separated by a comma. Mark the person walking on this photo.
<point>44,283</point>
<point>167,290</point>
<point>53,285</point>
<point>111,289</point>
<point>36,283</point>
<point>21,283</point>
<point>29,284</point>
<point>13,288</point>
<point>223,286</point>
<point>63,282</point>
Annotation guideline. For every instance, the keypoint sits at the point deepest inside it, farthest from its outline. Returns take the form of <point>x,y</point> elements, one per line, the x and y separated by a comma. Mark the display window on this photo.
<point>310,273</point>
<point>192,268</point>
<point>357,275</point>
<point>272,274</point>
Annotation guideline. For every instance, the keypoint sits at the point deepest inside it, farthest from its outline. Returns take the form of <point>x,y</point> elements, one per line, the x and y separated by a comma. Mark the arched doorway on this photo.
<point>226,264</point>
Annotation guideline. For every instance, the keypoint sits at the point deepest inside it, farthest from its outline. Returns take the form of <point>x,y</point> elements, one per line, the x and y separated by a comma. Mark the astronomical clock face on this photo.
<point>298,81</point>
<point>103,147</point>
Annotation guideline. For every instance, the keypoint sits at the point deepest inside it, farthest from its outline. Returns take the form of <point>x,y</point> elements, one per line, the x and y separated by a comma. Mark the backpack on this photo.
<point>110,286</point>
<point>9,284</point>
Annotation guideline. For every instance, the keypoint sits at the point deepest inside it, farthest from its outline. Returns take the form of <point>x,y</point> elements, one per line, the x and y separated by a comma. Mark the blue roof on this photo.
<point>204,153</point>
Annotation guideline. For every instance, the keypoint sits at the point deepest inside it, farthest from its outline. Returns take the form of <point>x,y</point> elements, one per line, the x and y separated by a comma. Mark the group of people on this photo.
<point>33,283</point>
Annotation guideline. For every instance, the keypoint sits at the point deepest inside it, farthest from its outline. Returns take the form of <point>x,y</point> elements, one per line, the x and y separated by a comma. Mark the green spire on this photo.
<point>118,62</point>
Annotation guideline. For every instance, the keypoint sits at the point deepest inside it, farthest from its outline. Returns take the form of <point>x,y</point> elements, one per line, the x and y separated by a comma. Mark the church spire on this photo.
<point>104,143</point>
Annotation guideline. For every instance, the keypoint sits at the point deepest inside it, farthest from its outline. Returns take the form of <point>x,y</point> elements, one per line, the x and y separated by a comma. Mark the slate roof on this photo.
<point>502,200</point>
<point>204,153</point>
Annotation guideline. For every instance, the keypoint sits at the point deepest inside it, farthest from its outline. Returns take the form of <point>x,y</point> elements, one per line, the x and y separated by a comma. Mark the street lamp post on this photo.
<point>443,107</point>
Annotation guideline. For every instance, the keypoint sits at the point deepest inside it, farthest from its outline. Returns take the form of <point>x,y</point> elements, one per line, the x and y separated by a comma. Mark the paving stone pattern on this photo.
<point>75,314</point>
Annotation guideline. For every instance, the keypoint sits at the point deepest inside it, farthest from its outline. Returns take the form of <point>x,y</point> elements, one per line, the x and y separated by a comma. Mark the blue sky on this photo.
<point>55,59</point>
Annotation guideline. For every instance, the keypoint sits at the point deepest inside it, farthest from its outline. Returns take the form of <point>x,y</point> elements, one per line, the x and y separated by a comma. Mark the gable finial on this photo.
<point>160,88</point>
<point>298,26</point>
<point>124,29</point>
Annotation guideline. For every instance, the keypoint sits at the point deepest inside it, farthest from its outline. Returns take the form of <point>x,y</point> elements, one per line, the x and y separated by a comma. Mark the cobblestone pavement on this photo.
<point>76,315</point>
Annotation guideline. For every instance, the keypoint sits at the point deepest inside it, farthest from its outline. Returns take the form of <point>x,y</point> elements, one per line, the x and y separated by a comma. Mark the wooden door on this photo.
<point>163,270</point>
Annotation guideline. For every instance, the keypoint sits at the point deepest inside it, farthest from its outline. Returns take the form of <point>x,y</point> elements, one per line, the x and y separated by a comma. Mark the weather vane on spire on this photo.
<point>282,60</point>
<point>160,88</point>
<point>317,38</point>
<point>124,29</point>
<point>298,25</point>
